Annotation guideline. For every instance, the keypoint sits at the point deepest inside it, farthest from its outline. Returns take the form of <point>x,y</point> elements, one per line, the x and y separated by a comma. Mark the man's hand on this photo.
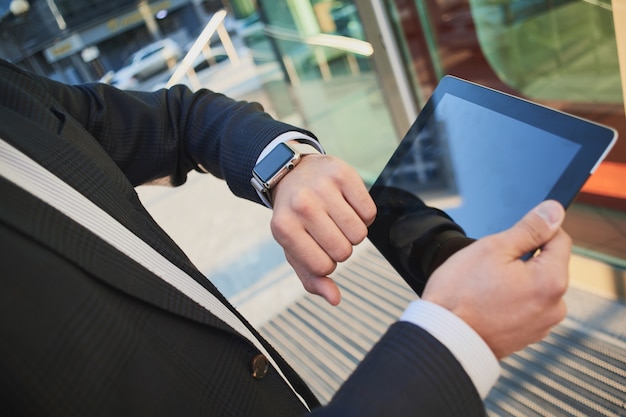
<point>509,302</point>
<point>321,209</point>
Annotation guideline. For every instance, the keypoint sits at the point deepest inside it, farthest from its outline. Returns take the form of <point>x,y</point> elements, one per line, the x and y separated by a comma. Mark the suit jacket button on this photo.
<point>260,366</point>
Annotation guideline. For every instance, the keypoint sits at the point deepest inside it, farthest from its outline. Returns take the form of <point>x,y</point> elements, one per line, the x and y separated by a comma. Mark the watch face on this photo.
<point>271,164</point>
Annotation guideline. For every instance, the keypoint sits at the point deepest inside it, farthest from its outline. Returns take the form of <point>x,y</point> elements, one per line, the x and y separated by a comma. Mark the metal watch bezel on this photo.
<point>263,187</point>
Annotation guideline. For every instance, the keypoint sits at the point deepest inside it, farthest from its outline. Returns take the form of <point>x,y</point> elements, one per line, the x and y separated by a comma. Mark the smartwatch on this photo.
<point>276,164</point>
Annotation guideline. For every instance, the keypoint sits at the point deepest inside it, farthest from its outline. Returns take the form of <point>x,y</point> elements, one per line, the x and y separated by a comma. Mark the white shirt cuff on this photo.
<point>286,137</point>
<point>463,342</point>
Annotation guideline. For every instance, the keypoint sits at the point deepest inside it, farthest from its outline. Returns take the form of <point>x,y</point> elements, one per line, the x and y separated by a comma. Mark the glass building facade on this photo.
<point>560,53</point>
<point>317,71</point>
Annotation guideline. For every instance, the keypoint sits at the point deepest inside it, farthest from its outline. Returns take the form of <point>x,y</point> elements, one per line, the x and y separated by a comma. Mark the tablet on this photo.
<point>485,158</point>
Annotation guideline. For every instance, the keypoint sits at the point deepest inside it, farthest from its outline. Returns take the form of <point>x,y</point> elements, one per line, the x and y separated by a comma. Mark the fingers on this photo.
<point>310,232</point>
<point>551,267</point>
<point>321,210</point>
<point>558,249</point>
<point>509,303</point>
<point>536,228</point>
<point>357,196</point>
<point>333,222</point>
<point>334,184</point>
<point>318,285</point>
<point>333,209</point>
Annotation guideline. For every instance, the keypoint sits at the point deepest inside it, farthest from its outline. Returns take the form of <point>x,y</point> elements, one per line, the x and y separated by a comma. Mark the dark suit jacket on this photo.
<point>84,330</point>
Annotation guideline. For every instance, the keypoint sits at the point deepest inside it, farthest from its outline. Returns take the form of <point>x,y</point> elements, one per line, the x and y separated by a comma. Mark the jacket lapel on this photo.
<point>88,169</point>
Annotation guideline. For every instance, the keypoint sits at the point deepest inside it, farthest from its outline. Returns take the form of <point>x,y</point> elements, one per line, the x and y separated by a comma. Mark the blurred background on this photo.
<point>357,73</point>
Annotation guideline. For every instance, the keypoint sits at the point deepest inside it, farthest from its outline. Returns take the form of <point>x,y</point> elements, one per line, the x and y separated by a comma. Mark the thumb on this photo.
<point>536,228</point>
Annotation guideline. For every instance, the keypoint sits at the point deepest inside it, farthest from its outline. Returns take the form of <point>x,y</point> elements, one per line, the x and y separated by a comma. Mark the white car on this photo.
<point>147,61</point>
<point>217,55</point>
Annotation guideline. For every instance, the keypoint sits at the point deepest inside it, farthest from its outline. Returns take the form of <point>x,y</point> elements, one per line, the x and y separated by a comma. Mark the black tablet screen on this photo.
<point>483,157</point>
<point>483,168</point>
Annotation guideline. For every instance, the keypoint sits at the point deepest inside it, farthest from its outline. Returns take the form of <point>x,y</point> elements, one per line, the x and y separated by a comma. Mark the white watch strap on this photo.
<point>303,148</point>
<point>287,137</point>
<point>35,179</point>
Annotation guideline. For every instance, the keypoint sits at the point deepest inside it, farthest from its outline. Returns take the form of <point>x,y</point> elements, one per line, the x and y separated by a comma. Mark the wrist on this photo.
<point>472,352</point>
<point>275,164</point>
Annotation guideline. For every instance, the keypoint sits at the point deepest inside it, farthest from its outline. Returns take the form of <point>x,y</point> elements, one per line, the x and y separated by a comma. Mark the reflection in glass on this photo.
<point>551,50</point>
<point>483,168</point>
<point>321,49</point>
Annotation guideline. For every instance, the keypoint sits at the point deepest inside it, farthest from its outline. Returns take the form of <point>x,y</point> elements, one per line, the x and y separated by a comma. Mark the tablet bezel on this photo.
<point>594,140</point>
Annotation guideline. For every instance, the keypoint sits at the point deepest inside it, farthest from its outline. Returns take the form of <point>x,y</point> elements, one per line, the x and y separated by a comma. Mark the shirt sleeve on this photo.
<point>286,137</point>
<point>463,342</point>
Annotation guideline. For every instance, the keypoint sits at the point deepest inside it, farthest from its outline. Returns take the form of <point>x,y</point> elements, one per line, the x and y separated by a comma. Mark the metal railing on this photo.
<point>202,45</point>
<point>350,46</point>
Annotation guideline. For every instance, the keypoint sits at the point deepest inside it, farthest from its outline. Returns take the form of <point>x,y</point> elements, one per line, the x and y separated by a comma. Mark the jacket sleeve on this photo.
<point>161,135</point>
<point>407,373</point>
